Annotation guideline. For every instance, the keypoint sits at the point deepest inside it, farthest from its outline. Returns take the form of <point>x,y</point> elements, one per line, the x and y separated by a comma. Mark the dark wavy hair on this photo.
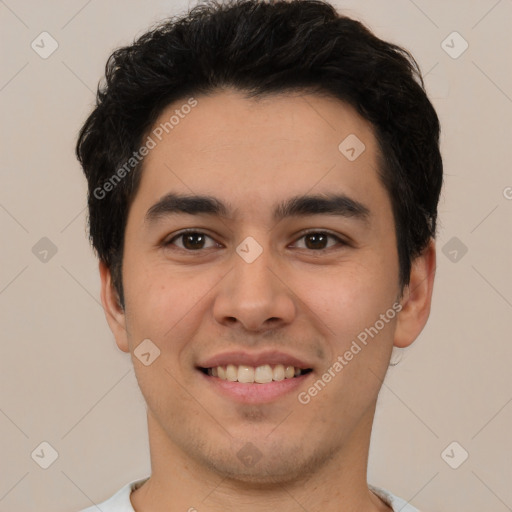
<point>262,47</point>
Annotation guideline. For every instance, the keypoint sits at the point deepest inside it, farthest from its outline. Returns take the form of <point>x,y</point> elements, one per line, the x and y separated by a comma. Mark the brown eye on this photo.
<point>317,240</point>
<point>191,240</point>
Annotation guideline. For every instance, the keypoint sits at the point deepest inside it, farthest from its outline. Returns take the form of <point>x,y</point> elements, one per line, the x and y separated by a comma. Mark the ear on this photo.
<point>416,298</point>
<point>114,313</point>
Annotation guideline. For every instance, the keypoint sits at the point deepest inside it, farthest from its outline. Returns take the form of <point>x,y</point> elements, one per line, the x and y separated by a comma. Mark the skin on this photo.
<point>193,305</point>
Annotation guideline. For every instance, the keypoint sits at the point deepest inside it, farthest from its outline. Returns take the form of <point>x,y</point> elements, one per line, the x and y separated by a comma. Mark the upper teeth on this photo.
<point>261,374</point>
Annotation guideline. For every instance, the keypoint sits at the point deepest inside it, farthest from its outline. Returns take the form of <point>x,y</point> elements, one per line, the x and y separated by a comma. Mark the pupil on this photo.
<point>191,236</point>
<point>316,236</point>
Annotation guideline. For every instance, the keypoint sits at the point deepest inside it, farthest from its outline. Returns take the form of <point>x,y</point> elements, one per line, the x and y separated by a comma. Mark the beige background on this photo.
<point>63,380</point>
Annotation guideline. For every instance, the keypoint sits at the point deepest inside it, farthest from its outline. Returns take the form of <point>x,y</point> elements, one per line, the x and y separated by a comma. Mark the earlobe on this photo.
<point>114,313</point>
<point>417,298</point>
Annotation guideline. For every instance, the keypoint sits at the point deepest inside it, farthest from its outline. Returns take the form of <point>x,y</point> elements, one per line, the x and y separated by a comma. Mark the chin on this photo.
<point>265,462</point>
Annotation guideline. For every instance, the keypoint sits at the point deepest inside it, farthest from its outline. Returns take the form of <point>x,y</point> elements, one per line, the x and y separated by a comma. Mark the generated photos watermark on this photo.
<point>304,397</point>
<point>150,143</point>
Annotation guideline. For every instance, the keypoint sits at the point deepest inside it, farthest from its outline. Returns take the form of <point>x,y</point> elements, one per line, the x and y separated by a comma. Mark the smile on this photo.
<point>248,390</point>
<point>250,374</point>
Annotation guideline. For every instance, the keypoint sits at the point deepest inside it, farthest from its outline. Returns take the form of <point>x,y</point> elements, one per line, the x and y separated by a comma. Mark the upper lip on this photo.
<point>245,358</point>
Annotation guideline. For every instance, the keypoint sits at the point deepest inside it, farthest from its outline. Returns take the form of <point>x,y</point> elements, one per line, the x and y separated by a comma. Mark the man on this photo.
<point>263,187</point>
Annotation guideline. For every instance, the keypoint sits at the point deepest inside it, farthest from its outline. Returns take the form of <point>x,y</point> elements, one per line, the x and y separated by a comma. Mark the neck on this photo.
<point>179,482</point>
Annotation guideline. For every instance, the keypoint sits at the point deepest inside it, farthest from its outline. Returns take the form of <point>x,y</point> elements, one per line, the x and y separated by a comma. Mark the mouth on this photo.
<point>254,385</point>
<point>262,374</point>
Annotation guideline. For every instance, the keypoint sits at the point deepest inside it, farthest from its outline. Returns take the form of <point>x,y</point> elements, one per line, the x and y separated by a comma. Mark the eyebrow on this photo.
<point>298,206</point>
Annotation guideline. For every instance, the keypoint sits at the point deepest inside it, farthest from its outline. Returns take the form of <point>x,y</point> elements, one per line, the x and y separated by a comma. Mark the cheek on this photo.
<point>150,303</point>
<point>359,341</point>
<point>351,295</point>
<point>164,303</point>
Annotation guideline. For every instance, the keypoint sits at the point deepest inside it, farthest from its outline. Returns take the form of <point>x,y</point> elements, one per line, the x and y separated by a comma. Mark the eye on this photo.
<point>192,240</point>
<point>316,240</point>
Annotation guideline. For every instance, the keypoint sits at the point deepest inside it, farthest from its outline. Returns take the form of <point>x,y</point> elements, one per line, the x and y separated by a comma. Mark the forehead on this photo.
<point>260,150</point>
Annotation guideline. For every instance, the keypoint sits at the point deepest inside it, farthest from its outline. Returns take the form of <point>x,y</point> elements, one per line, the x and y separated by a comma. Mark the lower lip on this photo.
<point>254,393</point>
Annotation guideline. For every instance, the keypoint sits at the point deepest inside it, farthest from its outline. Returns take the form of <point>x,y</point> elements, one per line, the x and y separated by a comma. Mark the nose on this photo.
<point>255,295</point>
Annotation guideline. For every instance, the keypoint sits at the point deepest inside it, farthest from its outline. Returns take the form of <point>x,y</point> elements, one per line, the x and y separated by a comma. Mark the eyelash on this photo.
<point>312,232</point>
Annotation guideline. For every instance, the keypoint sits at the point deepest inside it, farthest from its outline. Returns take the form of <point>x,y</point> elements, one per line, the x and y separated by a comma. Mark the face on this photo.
<point>257,282</point>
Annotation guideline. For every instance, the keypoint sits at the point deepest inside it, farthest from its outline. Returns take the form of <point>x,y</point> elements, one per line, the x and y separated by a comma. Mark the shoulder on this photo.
<point>120,501</point>
<point>395,502</point>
